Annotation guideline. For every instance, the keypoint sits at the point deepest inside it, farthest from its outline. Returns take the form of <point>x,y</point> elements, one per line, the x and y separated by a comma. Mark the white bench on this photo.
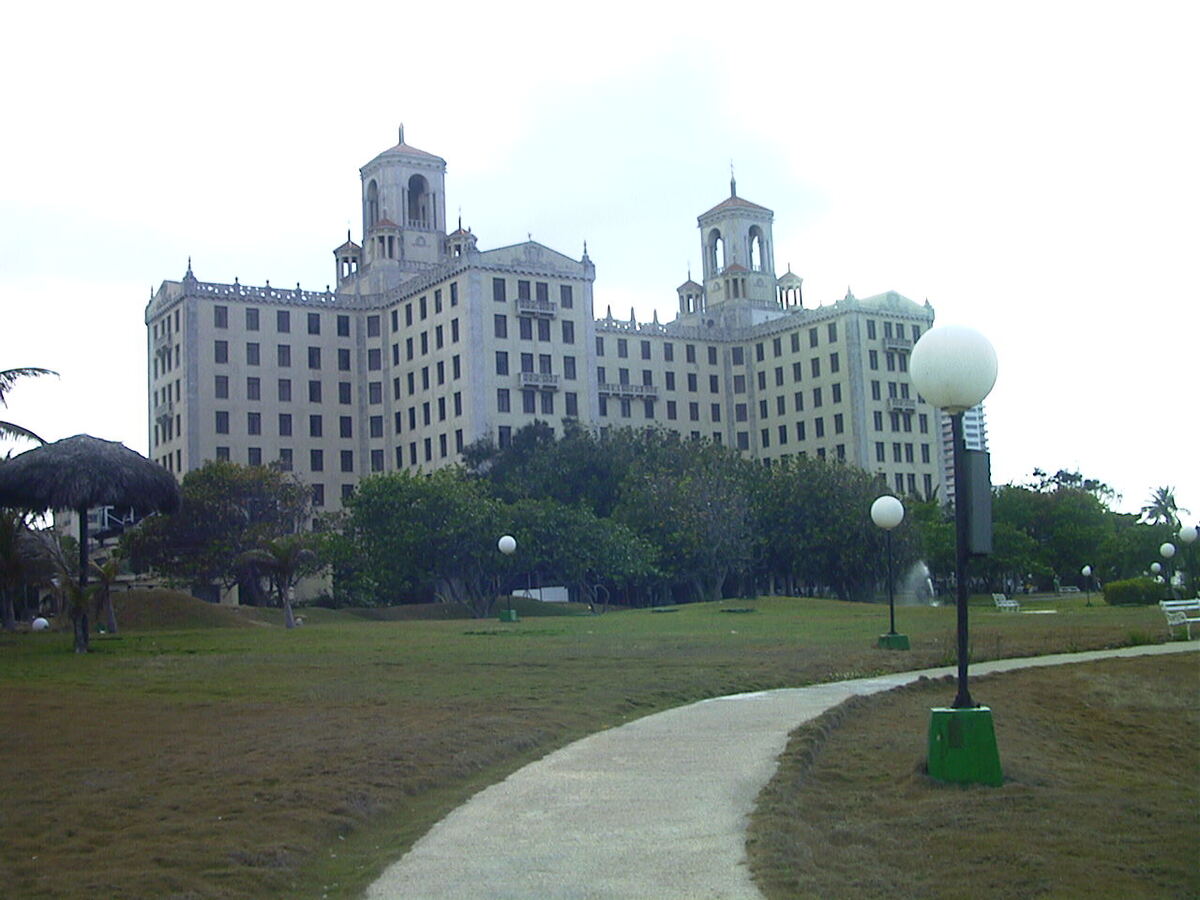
<point>1181,612</point>
<point>1003,602</point>
<point>1068,589</point>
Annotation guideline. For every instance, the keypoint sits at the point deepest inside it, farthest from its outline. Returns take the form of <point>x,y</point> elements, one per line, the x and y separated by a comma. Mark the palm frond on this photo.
<point>9,377</point>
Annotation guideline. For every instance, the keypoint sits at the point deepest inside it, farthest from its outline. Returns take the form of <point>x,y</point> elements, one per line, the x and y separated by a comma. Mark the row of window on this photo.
<point>541,292</point>
<point>526,327</point>
<point>283,321</point>
<point>537,402</point>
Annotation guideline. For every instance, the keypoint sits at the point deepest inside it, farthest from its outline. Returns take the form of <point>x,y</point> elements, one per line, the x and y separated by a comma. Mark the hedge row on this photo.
<point>1134,591</point>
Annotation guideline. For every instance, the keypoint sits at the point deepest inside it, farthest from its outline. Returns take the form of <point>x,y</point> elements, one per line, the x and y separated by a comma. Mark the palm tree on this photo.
<point>106,577</point>
<point>284,561</point>
<point>8,377</point>
<point>1162,508</point>
<point>13,559</point>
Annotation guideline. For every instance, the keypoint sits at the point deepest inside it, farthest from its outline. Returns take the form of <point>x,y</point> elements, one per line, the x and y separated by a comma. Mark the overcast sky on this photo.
<point>1029,168</point>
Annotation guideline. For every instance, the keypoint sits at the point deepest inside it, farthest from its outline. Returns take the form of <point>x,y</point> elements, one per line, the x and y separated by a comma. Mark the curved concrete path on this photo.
<point>656,808</point>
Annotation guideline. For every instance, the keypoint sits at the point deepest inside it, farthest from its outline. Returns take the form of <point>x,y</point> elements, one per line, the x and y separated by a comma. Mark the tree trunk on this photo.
<point>10,615</point>
<point>80,621</point>
<point>112,614</point>
<point>289,618</point>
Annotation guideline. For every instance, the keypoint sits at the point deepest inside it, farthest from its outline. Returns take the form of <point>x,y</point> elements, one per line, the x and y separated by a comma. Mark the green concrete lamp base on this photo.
<point>892,641</point>
<point>508,615</point>
<point>962,746</point>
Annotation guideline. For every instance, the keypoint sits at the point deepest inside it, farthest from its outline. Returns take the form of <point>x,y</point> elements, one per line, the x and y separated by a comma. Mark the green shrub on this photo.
<point>1133,591</point>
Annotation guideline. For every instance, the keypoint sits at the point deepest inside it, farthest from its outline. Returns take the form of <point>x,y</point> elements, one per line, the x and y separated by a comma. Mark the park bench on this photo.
<point>1003,601</point>
<point>1068,589</point>
<point>1181,612</point>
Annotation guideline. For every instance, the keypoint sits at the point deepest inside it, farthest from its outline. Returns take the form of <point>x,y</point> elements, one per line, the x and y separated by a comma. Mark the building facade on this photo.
<point>427,343</point>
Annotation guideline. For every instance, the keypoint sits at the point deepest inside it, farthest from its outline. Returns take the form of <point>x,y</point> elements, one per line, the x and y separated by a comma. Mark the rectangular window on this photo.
<point>314,426</point>
<point>375,426</point>
<point>346,426</point>
<point>873,360</point>
<point>344,392</point>
<point>572,403</point>
<point>568,332</point>
<point>499,290</point>
<point>316,460</point>
<point>714,384</point>
<point>569,368</point>
<point>814,365</point>
<point>221,387</point>
<point>314,392</point>
<point>832,329</point>
<point>500,325</point>
<point>220,317</point>
<point>819,425</point>
<point>503,401</point>
<point>816,394</point>
<point>670,379</point>
<point>375,392</point>
<point>835,364</point>
<point>501,362</point>
<point>314,323</point>
<point>543,329</point>
<point>716,412</point>
<point>671,414</point>
<point>622,348</point>
<point>285,390</point>
<point>565,297</point>
<point>836,391</point>
<point>812,337</point>
<point>522,289</point>
<point>839,423</point>
<point>694,412</point>
<point>251,319</point>
<point>712,356</point>
<point>346,458</point>
<point>222,422</point>
<point>253,388</point>
<point>423,306</point>
<point>314,357</point>
<point>254,456</point>
<point>343,357</point>
<point>689,352</point>
<point>669,352</point>
<point>870,329</point>
<point>374,359</point>
<point>283,321</point>
<point>285,424</point>
<point>529,401</point>
<point>252,354</point>
<point>221,351</point>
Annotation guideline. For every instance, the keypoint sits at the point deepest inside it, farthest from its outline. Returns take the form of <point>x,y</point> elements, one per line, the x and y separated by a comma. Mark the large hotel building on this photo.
<point>426,343</point>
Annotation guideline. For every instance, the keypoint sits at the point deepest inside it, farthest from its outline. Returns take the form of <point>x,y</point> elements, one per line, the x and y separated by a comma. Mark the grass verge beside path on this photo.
<point>228,762</point>
<point>1100,795</point>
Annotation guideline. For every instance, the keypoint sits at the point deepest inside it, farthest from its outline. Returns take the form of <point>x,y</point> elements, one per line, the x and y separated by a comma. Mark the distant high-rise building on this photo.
<point>974,438</point>
<point>426,343</point>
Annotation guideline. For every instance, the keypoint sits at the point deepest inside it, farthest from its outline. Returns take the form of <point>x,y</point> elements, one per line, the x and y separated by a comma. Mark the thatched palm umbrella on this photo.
<point>80,473</point>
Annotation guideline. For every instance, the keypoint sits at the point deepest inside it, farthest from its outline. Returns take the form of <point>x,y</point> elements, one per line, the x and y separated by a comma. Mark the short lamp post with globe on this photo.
<point>954,368</point>
<point>887,512</point>
<point>1167,552</point>
<point>1086,572</point>
<point>508,546</point>
<point>1187,537</point>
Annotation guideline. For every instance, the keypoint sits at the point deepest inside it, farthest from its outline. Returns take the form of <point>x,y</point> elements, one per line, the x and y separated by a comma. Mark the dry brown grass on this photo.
<point>248,762</point>
<point>1101,794</point>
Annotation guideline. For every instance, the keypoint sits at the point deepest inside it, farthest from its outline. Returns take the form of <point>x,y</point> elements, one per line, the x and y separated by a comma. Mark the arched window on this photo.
<point>757,242</point>
<point>418,202</point>
<point>372,203</point>
<point>716,252</point>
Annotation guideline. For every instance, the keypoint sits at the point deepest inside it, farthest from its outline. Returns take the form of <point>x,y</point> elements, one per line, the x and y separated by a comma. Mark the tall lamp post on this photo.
<point>887,512</point>
<point>1187,537</point>
<point>1086,572</point>
<point>954,369</point>
<point>508,546</point>
<point>1167,552</point>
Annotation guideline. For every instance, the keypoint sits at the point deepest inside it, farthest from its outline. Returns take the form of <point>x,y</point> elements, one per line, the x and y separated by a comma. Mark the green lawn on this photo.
<point>211,753</point>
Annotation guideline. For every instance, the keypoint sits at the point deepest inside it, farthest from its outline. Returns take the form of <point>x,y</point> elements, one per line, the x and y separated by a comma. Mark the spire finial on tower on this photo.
<point>732,181</point>
<point>401,132</point>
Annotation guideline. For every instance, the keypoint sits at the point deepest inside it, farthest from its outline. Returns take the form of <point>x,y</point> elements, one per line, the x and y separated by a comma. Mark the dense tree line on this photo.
<point>640,516</point>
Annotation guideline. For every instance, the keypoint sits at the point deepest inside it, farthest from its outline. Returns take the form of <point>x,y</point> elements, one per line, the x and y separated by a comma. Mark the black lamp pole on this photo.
<point>963,699</point>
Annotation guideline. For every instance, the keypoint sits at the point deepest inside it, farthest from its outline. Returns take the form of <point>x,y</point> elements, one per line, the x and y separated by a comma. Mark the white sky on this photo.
<point>1030,168</point>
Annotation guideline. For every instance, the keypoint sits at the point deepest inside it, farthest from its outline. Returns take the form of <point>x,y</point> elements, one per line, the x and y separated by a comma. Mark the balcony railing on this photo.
<point>541,308</point>
<point>543,380</point>
<point>164,408</point>
<point>897,343</point>
<point>901,404</point>
<point>629,390</point>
